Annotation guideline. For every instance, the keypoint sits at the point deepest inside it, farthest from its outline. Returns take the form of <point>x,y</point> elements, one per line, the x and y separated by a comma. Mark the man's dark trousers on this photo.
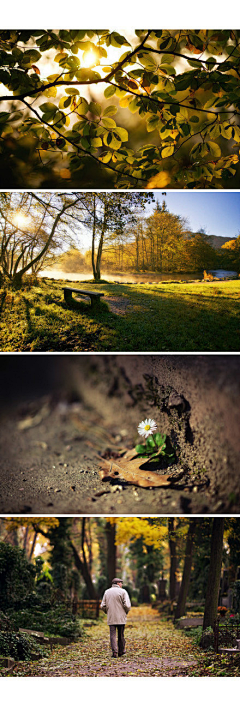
<point>117,647</point>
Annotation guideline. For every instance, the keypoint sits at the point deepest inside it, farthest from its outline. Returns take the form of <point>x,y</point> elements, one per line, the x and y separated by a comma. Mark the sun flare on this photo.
<point>89,59</point>
<point>21,220</point>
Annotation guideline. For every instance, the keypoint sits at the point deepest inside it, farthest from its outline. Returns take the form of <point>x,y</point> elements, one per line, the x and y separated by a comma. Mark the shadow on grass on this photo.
<point>155,320</point>
<point>53,331</point>
<point>2,301</point>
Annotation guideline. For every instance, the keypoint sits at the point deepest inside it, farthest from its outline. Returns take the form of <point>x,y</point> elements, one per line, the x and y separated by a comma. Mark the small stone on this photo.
<point>195,489</point>
<point>57,490</point>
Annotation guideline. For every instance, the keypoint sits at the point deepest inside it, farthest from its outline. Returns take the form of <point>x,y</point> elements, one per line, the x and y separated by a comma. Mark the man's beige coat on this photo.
<point>116,603</point>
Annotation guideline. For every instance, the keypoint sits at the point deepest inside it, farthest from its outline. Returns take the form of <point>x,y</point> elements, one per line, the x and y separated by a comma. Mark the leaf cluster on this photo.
<point>183,85</point>
<point>156,446</point>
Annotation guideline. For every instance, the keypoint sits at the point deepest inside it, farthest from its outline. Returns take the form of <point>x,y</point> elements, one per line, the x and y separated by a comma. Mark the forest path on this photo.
<point>153,648</point>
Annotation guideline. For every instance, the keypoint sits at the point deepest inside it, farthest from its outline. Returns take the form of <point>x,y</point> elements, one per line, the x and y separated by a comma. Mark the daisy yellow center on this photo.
<point>147,427</point>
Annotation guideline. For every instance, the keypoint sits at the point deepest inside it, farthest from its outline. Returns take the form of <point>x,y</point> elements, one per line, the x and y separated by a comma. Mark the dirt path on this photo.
<point>153,646</point>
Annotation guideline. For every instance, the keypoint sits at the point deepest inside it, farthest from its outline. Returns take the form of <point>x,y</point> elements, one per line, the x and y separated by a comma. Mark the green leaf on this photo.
<point>85,143</point>
<point>168,151</point>
<point>133,105</point>
<point>108,123</point>
<point>96,142</point>
<point>214,148</point>
<point>105,157</point>
<point>83,106</point>
<point>140,448</point>
<point>160,439</point>
<point>65,102</point>
<point>150,442</point>
<point>110,110</point>
<point>117,40</point>
<point>152,123</point>
<point>72,92</point>
<point>95,108</point>
<point>48,107</point>
<point>110,91</point>
<point>122,132</point>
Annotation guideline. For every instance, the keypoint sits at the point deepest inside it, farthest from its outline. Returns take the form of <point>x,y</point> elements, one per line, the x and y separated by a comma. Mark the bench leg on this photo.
<point>95,302</point>
<point>68,297</point>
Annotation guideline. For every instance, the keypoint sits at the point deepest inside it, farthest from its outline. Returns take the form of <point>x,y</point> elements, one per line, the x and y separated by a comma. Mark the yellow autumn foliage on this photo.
<point>160,180</point>
<point>132,528</point>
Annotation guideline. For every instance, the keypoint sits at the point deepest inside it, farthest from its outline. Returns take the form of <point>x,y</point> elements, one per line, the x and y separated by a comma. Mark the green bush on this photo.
<point>19,646</point>
<point>57,621</point>
<point>16,577</point>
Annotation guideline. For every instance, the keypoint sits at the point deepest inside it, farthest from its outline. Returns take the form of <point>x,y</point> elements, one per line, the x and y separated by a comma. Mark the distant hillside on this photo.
<point>217,241</point>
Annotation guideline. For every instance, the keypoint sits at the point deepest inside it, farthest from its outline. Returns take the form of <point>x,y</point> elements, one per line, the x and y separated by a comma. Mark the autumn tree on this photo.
<point>213,583</point>
<point>28,224</point>
<point>108,211</point>
<point>183,592</point>
<point>198,252</point>
<point>182,86</point>
<point>164,235</point>
<point>231,253</point>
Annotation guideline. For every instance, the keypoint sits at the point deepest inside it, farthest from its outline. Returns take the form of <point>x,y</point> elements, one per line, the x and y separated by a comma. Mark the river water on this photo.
<point>136,277</point>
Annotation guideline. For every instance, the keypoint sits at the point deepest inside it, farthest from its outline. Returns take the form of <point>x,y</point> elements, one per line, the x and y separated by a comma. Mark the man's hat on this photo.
<point>117,581</point>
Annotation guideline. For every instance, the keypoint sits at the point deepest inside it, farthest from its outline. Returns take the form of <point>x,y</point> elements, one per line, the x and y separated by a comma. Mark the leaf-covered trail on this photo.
<point>153,648</point>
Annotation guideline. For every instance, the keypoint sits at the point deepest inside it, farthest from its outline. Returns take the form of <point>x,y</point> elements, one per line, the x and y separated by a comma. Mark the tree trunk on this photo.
<point>33,545</point>
<point>111,551</point>
<point>82,566</point>
<point>180,609</point>
<point>213,583</point>
<point>173,558</point>
<point>100,245</point>
<point>93,238</point>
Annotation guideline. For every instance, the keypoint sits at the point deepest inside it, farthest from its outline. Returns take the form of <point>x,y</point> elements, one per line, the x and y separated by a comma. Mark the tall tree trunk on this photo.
<point>181,603</point>
<point>100,245</point>
<point>82,565</point>
<point>111,550</point>
<point>213,583</point>
<point>33,545</point>
<point>173,558</point>
<point>93,238</point>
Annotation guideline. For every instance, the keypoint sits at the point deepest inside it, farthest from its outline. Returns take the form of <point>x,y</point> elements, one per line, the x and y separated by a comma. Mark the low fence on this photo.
<point>88,609</point>
<point>226,634</point>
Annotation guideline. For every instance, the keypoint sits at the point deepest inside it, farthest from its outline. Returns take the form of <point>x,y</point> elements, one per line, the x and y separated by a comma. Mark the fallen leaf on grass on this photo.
<point>131,470</point>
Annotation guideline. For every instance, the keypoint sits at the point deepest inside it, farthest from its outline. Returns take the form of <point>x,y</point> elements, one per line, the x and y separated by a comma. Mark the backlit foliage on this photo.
<point>183,86</point>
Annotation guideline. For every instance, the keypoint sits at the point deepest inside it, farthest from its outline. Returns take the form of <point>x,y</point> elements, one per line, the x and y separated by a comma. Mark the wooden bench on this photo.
<point>95,297</point>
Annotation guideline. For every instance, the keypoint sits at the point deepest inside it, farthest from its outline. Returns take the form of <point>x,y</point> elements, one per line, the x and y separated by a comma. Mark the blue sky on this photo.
<point>216,212</point>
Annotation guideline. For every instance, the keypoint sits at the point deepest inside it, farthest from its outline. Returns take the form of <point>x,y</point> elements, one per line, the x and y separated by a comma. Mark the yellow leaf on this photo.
<point>162,179</point>
<point>59,56</point>
<point>65,173</point>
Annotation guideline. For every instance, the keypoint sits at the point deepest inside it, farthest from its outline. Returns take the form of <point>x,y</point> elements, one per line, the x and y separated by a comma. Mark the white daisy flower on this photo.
<point>147,427</point>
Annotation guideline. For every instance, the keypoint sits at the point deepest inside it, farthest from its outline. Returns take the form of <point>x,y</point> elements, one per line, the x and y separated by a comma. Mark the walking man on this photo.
<point>116,603</point>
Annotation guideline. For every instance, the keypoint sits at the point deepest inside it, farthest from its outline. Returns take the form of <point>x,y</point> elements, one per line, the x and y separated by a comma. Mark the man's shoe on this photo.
<point>122,653</point>
<point>114,654</point>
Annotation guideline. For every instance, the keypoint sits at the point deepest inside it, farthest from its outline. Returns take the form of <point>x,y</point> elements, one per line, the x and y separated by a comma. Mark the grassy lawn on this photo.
<point>159,317</point>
